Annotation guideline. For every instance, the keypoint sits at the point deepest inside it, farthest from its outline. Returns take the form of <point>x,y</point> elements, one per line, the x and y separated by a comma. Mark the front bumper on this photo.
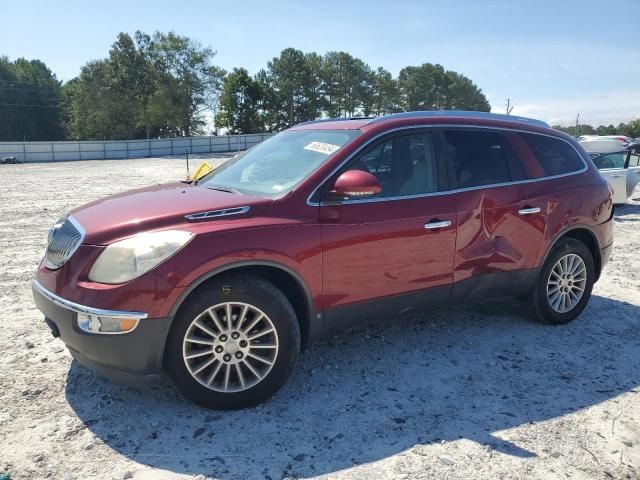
<point>132,358</point>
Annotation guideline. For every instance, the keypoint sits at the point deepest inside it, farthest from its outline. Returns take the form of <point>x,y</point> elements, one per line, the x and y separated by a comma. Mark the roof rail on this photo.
<point>341,119</point>
<point>462,114</point>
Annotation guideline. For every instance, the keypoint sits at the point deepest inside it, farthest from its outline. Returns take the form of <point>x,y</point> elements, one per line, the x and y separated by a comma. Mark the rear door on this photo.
<point>382,256</point>
<point>499,230</point>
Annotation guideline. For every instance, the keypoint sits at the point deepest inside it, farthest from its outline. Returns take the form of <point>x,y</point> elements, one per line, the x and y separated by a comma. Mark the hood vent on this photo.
<point>225,212</point>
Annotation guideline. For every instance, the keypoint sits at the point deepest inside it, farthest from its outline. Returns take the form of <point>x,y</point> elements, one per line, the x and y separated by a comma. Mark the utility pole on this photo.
<point>578,124</point>
<point>509,107</point>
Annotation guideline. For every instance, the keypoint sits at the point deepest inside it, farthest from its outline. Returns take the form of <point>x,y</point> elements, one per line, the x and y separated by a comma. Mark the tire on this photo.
<point>264,304</point>
<point>540,302</point>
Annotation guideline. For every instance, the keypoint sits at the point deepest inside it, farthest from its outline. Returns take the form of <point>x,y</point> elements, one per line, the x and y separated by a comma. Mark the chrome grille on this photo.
<point>64,239</point>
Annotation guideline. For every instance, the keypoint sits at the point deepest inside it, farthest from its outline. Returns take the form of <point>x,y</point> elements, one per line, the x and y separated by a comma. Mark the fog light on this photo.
<point>99,324</point>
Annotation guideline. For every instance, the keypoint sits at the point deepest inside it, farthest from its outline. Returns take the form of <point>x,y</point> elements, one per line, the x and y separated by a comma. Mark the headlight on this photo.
<point>127,259</point>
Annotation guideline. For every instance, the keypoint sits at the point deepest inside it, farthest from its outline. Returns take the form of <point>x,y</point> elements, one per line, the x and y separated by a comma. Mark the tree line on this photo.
<point>631,129</point>
<point>167,85</point>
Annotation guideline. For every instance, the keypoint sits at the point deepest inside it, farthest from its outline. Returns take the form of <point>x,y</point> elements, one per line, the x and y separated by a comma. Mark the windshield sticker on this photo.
<point>321,147</point>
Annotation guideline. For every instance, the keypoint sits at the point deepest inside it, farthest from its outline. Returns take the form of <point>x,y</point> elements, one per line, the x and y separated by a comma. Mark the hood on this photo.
<point>162,206</point>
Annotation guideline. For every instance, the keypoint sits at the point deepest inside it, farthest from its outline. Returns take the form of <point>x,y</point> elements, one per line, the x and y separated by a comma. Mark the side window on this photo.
<point>555,156</point>
<point>404,165</point>
<point>610,160</point>
<point>634,160</point>
<point>481,158</point>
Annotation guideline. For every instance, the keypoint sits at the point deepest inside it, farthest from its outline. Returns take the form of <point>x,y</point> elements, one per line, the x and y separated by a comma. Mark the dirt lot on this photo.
<point>473,392</point>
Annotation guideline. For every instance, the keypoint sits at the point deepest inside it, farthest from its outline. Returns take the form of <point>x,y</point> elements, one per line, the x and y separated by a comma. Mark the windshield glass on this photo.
<point>272,168</point>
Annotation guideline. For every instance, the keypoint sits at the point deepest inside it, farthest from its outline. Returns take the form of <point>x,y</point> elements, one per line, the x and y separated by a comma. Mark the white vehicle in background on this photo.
<point>603,143</point>
<point>621,169</point>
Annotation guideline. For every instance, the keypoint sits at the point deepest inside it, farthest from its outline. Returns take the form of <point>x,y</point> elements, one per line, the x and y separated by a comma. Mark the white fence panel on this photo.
<point>120,149</point>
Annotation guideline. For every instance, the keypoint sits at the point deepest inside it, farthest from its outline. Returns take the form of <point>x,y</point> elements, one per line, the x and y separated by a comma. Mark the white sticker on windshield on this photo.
<point>321,147</point>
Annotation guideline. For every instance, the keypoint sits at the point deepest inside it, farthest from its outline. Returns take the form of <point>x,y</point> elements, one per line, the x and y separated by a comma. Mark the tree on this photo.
<point>188,79</point>
<point>240,103</point>
<point>631,129</point>
<point>164,85</point>
<point>29,101</point>
<point>430,87</point>
<point>386,96</point>
<point>344,80</point>
<point>286,75</point>
<point>96,110</point>
<point>133,75</point>
<point>463,94</point>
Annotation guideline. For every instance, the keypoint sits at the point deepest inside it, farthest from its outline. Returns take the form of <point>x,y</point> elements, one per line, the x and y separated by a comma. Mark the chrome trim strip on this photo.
<point>447,192</point>
<point>82,232</point>
<point>224,212</point>
<point>75,307</point>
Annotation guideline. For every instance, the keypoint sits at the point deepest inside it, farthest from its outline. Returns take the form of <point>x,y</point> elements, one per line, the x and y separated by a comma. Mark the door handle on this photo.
<point>617,176</point>
<point>529,210</point>
<point>435,224</point>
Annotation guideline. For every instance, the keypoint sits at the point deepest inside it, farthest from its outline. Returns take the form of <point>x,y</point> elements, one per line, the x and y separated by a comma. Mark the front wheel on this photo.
<point>234,344</point>
<point>564,285</point>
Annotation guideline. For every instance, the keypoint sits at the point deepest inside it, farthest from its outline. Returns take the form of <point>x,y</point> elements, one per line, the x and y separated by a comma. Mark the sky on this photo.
<point>553,59</point>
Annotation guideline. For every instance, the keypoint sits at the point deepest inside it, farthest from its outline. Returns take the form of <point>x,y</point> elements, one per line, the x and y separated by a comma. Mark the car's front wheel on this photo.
<point>234,344</point>
<point>564,285</point>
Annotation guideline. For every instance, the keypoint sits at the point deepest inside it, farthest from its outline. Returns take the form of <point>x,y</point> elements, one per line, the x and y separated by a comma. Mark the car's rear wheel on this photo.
<point>564,285</point>
<point>234,343</point>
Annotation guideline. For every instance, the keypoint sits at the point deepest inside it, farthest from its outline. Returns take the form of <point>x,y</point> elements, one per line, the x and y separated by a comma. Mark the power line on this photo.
<point>29,97</point>
<point>27,105</point>
<point>29,88</point>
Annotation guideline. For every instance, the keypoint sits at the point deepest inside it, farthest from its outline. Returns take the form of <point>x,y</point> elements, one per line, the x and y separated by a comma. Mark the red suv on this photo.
<point>221,282</point>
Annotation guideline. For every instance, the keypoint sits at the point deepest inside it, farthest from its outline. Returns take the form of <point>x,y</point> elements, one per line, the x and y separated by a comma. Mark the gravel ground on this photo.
<point>468,392</point>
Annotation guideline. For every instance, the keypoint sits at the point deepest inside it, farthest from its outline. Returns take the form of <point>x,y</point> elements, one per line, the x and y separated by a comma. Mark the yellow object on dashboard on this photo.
<point>202,170</point>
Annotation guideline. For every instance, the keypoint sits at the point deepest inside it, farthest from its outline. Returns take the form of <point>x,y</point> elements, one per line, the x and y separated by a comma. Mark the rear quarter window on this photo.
<point>556,157</point>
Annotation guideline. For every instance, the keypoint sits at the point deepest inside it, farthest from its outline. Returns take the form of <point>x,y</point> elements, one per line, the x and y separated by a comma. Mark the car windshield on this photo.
<point>274,167</point>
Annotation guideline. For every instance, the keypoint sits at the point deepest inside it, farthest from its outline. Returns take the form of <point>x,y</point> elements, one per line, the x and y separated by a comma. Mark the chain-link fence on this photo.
<point>121,149</point>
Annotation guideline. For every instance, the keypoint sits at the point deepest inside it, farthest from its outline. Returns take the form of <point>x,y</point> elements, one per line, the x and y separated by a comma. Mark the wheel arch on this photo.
<point>586,235</point>
<point>287,280</point>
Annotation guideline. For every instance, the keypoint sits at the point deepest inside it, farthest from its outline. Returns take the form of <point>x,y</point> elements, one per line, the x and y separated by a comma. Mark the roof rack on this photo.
<point>462,114</point>
<point>341,119</point>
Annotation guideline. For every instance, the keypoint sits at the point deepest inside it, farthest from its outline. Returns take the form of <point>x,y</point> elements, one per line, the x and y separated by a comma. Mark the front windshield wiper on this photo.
<point>221,188</point>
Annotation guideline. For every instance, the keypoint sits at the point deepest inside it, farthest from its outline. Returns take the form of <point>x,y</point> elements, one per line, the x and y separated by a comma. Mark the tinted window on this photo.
<point>610,160</point>
<point>556,156</point>
<point>404,165</point>
<point>481,158</point>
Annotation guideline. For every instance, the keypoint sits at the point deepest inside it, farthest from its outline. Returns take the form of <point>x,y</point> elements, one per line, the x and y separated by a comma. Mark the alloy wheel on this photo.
<point>566,283</point>
<point>230,347</point>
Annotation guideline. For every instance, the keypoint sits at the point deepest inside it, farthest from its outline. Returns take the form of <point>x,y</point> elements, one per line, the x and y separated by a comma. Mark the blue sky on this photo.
<point>554,59</point>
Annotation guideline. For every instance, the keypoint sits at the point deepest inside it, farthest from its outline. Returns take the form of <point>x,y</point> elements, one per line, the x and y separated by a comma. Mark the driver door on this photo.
<point>389,254</point>
<point>611,167</point>
<point>633,172</point>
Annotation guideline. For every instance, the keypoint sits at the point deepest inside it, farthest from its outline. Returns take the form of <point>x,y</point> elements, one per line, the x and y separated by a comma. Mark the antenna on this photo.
<point>509,106</point>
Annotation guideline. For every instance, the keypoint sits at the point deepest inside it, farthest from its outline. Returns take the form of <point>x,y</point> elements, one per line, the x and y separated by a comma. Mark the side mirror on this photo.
<point>356,183</point>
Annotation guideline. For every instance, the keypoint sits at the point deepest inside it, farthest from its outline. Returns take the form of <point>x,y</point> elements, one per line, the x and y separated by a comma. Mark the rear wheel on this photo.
<point>564,285</point>
<point>234,344</point>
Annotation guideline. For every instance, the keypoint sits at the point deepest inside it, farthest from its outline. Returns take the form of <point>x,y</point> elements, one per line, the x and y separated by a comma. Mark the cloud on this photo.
<point>597,109</point>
